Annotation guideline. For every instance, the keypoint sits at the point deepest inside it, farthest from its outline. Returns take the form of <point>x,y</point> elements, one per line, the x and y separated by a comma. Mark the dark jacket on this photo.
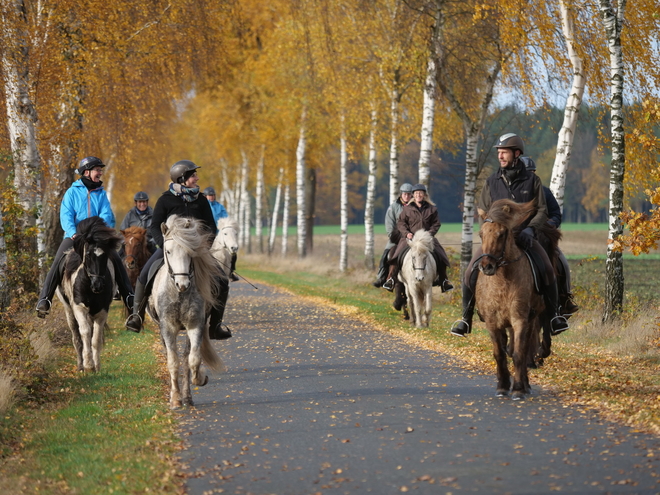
<point>554,211</point>
<point>526,186</point>
<point>168,204</point>
<point>415,218</point>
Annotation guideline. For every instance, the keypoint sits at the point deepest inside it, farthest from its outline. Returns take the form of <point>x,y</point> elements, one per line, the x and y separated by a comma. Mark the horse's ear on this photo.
<point>163,228</point>
<point>482,213</point>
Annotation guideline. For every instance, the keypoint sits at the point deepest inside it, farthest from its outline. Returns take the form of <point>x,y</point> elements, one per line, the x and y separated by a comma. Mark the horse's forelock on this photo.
<point>422,238</point>
<point>509,213</point>
<point>227,222</point>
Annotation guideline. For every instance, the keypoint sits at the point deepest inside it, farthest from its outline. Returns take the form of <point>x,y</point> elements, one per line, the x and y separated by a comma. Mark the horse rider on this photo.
<point>391,217</point>
<point>85,198</point>
<point>419,213</point>
<point>513,181</point>
<point>568,306</point>
<point>182,198</point>
<point>140,216</point>
<point>219,212</point>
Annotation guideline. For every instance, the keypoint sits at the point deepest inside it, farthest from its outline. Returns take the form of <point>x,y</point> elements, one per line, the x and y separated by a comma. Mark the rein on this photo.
<point>499,260</point>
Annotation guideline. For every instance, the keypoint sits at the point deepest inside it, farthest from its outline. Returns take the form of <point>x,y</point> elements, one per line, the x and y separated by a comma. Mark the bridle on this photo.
<point>191,270</point>
<point>91,276</point>
<point>499,260</point>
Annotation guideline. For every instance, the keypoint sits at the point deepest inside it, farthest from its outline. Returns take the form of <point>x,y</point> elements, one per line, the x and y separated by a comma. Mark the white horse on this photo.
<point>87,288</point>
<point>225,243</point>
<point>417,274</point>
<point>183,293</point>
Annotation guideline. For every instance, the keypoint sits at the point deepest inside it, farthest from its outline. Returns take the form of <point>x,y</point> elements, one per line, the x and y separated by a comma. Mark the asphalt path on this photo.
<point>316,402</point>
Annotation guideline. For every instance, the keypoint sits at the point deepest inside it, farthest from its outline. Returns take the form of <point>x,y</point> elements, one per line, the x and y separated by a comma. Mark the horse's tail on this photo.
<point>209,355</point>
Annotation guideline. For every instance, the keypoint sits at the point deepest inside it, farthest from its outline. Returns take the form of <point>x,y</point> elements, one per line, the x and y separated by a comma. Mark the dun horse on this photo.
<point>137,252</point>
<point>87,288</point>
<point>417,274</point>
<point>506,295</point>
<point>184,291</point>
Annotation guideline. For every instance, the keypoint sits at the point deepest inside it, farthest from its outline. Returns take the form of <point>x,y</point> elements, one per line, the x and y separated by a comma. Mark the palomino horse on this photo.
<point>506,295</point>
<point>225,243</point>
<point>184,291</point>
<point>417,274</point>
<point>87,288</point>
<point>137,252</point>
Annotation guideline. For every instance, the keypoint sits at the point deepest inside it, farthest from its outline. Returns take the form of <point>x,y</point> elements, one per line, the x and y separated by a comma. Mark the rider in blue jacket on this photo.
<point>85,198</point>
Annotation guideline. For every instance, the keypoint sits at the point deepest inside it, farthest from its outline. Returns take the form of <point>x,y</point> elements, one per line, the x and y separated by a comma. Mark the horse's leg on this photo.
<point>412,306</point>
<point>97,338</point>
<point>169,340</point>
<point>85,328</point>
<point>419,307</point>
<point>186,389</point>
<point>498,338</point>
<point>428,304</point>
<point>195,357</point>
<point>521,332</point>
<point>75,333</point>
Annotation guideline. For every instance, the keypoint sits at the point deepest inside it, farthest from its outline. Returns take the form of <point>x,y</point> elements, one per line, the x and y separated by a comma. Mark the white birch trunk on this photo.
<point>394,144</point>
<point>428,110</point>
<point>228,193</point>
<point>258,220</point>
<point>343,199</point>
<point>469,192</point>
<point>571,111</point>
<point>285,220</point>
<point>300,187</point>
<point>613,22</point>
<point>371,194</point>
<point>245,204</point>
<point>276,209</point>
<point>4,290</point>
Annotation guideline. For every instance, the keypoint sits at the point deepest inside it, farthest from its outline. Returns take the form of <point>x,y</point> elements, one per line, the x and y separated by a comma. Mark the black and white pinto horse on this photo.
<point>87,288</point>
<point>184,290</point>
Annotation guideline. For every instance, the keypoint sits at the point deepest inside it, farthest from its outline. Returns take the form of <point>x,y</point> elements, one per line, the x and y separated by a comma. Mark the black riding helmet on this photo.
<point>182,170</point>
<point>528,163</point>
<point>511,141</point>
<point>419,187</point>
<point>141,196</point>
<point>88,163</point>
<point>209,191</point>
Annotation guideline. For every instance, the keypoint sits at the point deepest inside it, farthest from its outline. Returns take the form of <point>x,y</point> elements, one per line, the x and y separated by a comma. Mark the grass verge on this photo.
<point>109,432</point>
<point>612,368</point>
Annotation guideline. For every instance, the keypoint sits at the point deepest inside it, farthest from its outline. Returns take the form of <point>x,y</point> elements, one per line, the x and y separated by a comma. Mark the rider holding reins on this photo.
<point>513,181</point>
<point>85,198</point>
<point>182,198</point>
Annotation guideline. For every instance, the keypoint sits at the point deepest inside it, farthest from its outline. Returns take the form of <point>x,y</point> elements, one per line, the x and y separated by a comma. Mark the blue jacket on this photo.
<point>218,211</point>
<point>79,203</point>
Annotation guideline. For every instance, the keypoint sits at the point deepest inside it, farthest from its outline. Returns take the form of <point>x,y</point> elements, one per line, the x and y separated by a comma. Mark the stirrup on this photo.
<point>460,328</point>
<point>446,286</point>
<point>41,312</point>
<point>389,284</point>
<point>558,325</point>
<point>132,328</point>
<point>233,277</point>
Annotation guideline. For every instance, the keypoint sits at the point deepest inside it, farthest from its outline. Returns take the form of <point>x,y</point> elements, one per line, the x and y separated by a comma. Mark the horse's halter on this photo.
<point>499,260</point>
<point>91,276</point>
<point>191,270</point>
<point>419,269</point>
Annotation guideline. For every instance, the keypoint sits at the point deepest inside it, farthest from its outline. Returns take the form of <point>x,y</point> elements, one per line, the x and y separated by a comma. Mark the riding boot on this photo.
<point>399,297</point>
<point>391,276</point>
<point>136,319</point>
<point>232,276</point>
<point>382,270</point>
<point>216,330</point>
<point>124,286</point>
<point>464,326</point>
<point>558,323</point>
<point>568,306</point>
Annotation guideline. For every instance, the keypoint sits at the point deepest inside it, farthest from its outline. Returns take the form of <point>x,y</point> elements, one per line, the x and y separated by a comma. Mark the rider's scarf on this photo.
<point>188,194</point>
<point>90,184</point>
<point>511,173</point>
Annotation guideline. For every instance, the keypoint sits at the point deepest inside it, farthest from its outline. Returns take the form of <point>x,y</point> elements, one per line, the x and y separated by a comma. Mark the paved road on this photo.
<point>315,402</point>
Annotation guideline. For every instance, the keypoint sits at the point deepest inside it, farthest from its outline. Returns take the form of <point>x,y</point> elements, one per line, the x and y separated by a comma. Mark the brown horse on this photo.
<point>506,295</point>
<point>137,254</point>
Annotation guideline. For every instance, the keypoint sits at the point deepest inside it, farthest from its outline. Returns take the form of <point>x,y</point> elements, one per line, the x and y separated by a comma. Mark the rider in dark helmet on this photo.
<point>419,213</point>
<point>140,216</point>
<point>513,181</point>
<point>568,306</point>
<point>85,198</point>
<point>182,198</point>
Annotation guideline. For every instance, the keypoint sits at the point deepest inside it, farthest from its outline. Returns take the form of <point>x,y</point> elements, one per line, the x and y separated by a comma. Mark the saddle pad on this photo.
<point>154,269</point>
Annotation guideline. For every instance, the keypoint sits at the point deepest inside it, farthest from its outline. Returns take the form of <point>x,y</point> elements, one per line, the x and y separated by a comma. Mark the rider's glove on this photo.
<point>526,238</point>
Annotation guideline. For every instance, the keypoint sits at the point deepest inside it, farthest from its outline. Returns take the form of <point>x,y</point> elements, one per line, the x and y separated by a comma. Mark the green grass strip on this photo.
<point>113,434</point>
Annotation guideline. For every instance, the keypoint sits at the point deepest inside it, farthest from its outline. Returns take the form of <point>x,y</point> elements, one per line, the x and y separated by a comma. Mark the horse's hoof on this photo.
<point>517,395</point>
<point>176,405</point>
<point>206,380</point>
<point>502,393</point>
<point>532,365</point>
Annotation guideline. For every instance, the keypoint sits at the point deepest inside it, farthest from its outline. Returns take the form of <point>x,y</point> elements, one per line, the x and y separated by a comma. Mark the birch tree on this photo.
<point>276,209</point>
<point>371,193</point>
<point>258,220</point>
<point>285,220</point>
<point>343,201</point>
<point>613,22</point>
<point>300,186</point>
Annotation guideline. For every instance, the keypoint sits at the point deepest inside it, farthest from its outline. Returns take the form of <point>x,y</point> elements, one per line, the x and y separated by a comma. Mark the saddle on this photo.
<point>538,267</point>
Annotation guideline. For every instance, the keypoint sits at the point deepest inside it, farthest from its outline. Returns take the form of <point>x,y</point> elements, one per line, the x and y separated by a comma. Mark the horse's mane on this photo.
<point>422,238</point>
<point>138,232</point>
<point>512,214</point>
<point>93,230</point>
<point>227,222</point>
<point>192,236</point>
